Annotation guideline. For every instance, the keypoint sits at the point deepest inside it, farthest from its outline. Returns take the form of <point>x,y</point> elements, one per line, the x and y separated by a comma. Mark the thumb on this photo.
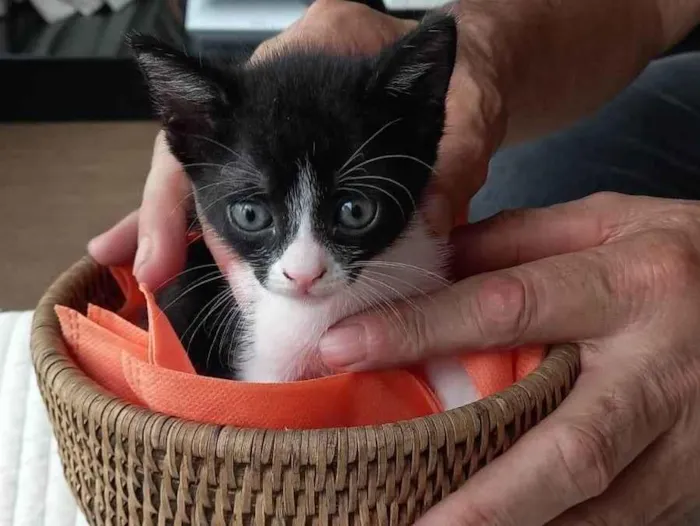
<point>542,300</point>
<point>570,297</point>
<point>474,313</point>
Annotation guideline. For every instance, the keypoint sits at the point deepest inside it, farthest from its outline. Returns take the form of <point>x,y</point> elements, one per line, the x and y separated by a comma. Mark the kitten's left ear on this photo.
<point>420,64</point>
<point>186,91</point>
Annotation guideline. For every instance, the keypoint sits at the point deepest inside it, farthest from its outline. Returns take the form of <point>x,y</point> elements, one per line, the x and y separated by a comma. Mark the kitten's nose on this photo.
<point>304,279</point>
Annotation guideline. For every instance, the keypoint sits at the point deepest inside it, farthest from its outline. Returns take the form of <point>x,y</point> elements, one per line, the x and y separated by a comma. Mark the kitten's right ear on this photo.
<point>187,92</point>
<point>418,67</point>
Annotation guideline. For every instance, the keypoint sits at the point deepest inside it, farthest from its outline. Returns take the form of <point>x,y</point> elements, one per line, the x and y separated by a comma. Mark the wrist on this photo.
<point>547,68</point>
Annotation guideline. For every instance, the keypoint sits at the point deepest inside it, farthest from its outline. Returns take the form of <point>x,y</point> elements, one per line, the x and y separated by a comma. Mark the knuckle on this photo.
<point>503,310</point>
<point>675,265</point>
<point>587,460</point>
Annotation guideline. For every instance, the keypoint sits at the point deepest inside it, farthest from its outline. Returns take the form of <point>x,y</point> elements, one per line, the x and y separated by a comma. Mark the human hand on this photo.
<point>620,276</point>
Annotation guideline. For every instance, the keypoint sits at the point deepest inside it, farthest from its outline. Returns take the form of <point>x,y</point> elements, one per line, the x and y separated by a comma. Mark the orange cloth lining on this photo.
<point>151,369</point>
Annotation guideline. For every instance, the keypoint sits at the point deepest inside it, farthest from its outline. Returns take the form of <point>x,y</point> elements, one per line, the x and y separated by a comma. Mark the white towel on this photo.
<point>33,491</point>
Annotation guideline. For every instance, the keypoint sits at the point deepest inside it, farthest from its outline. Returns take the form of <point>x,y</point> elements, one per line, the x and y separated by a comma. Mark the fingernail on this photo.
<point>142,253</point>
<point>344,346</point>
<point>94,244</point>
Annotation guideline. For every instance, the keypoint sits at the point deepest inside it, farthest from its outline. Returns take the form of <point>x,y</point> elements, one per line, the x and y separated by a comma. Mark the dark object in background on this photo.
<point>79,69</point>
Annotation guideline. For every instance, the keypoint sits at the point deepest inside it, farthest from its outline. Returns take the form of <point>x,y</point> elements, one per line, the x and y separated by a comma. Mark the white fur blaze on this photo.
<point>305,258</point>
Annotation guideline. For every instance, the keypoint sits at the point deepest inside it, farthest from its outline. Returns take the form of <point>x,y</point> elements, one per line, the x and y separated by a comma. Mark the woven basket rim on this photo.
<point>57,370</point>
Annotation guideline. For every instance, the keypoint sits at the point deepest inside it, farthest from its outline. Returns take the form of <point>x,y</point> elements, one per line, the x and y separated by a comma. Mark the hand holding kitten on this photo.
<point>618,274</point>
<point>155,233</point>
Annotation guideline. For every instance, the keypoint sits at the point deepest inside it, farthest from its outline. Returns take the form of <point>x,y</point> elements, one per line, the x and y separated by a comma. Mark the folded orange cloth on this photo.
<point>151,369</point>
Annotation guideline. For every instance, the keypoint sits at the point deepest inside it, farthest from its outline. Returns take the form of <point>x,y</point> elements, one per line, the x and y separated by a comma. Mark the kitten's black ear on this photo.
<point>420,64</point>
<point>186,91</point>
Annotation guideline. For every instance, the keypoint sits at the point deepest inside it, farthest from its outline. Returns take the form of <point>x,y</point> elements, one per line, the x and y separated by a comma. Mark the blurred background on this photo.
<point>76,127</point>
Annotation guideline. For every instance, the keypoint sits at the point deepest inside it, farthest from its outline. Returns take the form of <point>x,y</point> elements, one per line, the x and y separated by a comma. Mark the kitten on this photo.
<point>309,173</point>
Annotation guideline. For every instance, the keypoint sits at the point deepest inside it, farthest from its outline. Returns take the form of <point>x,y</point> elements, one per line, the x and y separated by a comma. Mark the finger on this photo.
<point>474,127</point>
<point>566,298</point>
<point>513,237</point>
<point>651,491</point>
<point>438,213</point>
<point>162,219</point>
<point>117,246</point>
<point>572,456</point>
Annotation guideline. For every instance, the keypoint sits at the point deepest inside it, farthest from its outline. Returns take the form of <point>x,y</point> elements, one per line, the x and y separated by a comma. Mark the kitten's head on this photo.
<point>308,165</point>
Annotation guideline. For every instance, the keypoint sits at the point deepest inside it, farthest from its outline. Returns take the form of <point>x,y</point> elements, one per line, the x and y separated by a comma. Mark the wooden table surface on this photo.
<point>60,184</point>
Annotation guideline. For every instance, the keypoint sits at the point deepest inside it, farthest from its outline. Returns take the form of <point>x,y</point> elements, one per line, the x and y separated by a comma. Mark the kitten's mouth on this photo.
<point>311,295</point>
<point>303,295</point>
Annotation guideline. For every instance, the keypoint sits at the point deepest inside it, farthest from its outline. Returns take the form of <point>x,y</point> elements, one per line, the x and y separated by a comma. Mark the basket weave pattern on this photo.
<point>127,465</point>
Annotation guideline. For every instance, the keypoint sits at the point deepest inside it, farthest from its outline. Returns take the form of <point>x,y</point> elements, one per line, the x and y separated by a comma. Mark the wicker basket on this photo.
<point>127,465</point>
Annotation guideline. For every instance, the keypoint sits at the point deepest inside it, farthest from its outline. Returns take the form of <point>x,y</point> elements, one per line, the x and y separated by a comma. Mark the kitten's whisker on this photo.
<point>417,289</point>
<point>398,294</point>
<point>390,156</point>
<point>221,298</point>
<point>203,310</point>
<point>226,311</point>
<point>191,193</point>
<point>403,266</point>
<point>390,302</point>
<point>367,297</point>
<point>198,283</point>
<point>223,314</point>
<point>378,301</point>
<point>378,189</point>
<point>223,146</point>
<point>212,165</point>
<point>349,171</point>
<point>170,280</point>
<point>351,189</point>
<point>235,315</point>
<point>380,178</point>
<point>248,170</point>
<point>359,150</point>
<point>216,299</point>
<point>233,340</point>
<point>368,302</point>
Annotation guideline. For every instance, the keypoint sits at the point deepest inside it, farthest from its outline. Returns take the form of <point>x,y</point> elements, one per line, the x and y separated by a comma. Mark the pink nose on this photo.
<point>304,279</point>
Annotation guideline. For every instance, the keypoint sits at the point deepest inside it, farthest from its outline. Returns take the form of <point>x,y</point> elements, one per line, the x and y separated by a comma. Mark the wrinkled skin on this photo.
<point>620,275</point>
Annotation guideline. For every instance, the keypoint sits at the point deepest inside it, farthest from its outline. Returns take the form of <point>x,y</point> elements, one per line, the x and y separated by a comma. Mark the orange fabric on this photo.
<point>151,369</point>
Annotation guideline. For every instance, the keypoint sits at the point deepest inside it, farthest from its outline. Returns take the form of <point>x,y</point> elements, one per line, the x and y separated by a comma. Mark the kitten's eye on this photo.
<point>249,216</point>
<point>356,214</point>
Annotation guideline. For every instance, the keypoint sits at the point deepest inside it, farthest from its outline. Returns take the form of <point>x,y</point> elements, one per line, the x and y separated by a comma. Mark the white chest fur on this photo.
<point>283,332</point>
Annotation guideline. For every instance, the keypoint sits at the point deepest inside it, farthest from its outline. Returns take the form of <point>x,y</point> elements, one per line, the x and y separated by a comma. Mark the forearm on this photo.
<point>557,60</point>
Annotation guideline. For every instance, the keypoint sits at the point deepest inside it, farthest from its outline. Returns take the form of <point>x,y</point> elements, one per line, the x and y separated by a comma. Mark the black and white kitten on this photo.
<point>309,172</point>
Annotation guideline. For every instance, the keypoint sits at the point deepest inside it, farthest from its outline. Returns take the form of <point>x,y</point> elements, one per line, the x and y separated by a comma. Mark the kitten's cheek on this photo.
<point>229,264</point>
<point>223,256</point>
